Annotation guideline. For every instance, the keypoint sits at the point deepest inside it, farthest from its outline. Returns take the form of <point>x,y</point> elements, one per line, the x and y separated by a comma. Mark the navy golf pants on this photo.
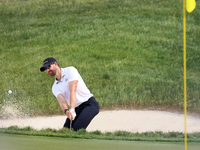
<point>84,114</point>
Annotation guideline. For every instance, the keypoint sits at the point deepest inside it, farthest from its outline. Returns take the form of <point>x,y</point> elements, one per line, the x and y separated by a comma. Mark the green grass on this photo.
<point>129,53</point>
<point>117,135</point>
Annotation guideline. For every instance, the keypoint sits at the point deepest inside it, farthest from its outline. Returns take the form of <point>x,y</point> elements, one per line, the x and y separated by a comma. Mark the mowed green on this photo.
<point>22,142</point>
<point>129,52</point>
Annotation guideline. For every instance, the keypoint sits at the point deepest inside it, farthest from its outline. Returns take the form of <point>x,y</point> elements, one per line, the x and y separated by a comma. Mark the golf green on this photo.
<point>22,142</point>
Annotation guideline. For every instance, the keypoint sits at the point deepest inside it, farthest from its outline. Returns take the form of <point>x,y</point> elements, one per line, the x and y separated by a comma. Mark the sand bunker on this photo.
<point>123,120</point>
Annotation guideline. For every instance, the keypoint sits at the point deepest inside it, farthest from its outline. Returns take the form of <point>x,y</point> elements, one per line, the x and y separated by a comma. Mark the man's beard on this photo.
<point>52,73</point>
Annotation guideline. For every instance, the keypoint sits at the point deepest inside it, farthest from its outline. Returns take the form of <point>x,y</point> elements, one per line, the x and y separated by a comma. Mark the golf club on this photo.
<point>70,127</point>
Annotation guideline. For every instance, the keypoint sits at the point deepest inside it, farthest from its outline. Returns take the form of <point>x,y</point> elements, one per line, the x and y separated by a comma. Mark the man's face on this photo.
<point>51,69</point>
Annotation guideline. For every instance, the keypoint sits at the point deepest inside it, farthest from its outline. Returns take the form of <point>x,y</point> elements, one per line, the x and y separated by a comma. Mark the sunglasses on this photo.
<point>49,66</point>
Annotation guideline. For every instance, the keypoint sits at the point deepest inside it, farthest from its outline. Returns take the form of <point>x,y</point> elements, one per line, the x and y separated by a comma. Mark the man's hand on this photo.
<point>71,114</point>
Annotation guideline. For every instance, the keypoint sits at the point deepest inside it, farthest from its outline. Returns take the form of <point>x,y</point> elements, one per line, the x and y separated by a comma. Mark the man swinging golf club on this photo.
<point>72,94</point>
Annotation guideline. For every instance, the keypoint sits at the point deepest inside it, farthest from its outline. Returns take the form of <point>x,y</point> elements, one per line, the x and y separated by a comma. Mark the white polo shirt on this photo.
<point>62,87</point>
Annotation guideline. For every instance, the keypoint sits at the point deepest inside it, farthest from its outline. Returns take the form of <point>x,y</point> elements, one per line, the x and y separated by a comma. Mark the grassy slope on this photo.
<point>129,53</point>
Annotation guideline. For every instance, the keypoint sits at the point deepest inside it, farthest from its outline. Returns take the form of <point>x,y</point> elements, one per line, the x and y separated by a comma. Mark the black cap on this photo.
<point>48,61</point>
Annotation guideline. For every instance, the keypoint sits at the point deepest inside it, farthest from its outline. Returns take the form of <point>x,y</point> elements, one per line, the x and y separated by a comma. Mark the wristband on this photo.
<point>66,110</point>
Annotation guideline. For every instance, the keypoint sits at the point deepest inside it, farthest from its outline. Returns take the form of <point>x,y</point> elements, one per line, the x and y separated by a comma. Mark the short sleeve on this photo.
<point>73,74</point>
<point>55,92</point>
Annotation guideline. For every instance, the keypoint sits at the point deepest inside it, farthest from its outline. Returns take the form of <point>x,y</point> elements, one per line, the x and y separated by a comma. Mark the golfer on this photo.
<point>72,94</point>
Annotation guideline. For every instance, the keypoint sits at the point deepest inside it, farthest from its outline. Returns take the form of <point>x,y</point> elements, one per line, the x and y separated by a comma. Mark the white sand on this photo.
<point>110,121</point>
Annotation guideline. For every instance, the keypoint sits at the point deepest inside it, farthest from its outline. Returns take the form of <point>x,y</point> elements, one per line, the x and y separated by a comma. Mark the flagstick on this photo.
<point>184,59</point>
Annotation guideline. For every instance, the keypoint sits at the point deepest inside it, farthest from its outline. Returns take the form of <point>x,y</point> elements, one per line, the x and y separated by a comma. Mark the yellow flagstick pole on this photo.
<point>184,60</point>
<point>191,4</point>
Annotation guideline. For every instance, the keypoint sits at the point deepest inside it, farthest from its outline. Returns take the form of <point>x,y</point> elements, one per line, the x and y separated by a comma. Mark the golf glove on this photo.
<point>73,112</point>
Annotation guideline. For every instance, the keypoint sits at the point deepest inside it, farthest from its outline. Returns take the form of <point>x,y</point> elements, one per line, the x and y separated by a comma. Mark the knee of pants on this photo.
<point>67,123</point>
<point>96,106</point>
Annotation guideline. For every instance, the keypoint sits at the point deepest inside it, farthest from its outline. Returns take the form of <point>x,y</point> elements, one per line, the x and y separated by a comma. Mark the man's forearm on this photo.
<point>72,100</point>
<point>62,102</point>
<point>72,89</point>
<point>63,105</point>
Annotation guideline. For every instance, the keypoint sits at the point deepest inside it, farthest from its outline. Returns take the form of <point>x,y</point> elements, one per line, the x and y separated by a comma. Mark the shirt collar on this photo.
<point>62,75</point>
